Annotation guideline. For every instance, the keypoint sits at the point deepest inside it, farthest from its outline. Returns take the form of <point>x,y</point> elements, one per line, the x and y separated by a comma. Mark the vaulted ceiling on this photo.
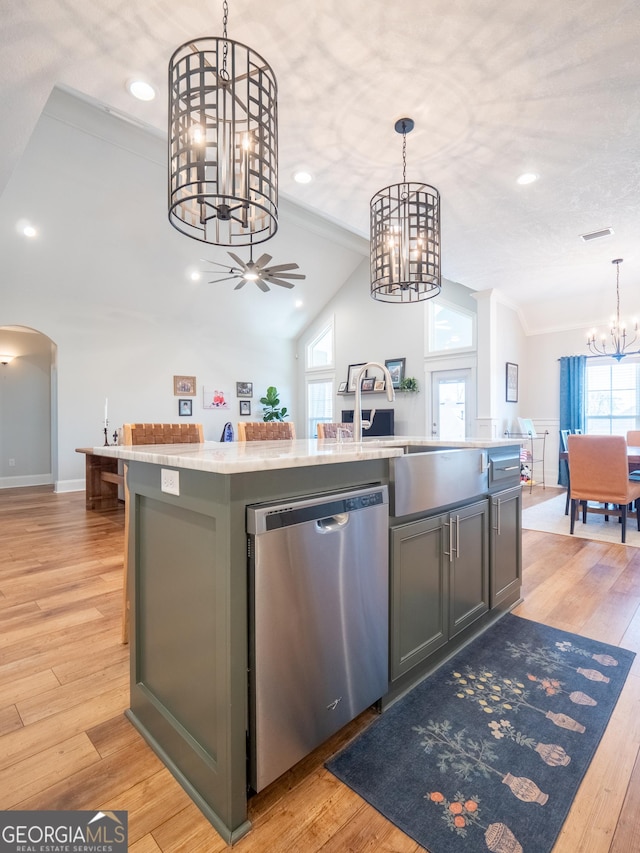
<point>496,89</point>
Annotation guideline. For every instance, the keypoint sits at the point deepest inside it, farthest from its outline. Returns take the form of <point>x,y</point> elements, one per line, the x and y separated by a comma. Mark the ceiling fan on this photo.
<point>256,271</point>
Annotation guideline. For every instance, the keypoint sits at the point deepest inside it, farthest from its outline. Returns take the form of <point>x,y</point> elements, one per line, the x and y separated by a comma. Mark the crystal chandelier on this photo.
<point>223,142</point>
<point>617,332</point>
<point>405,237</point>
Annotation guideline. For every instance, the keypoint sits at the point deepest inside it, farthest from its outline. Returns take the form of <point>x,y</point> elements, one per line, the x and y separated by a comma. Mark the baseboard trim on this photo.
<point>27,480</point>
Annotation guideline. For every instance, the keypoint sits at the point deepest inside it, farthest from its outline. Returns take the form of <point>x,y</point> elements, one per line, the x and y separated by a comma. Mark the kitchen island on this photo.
<point>190,595</point>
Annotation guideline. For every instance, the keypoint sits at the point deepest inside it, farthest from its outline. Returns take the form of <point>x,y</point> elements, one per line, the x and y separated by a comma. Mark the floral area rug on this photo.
<point>489,751</point>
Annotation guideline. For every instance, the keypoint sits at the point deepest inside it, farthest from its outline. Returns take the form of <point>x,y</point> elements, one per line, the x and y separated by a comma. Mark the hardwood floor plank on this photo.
<point>146,844</point>
<point>9,720</point>
<point>34,774</point>
<point>627,834</point>
<point>188,830</point>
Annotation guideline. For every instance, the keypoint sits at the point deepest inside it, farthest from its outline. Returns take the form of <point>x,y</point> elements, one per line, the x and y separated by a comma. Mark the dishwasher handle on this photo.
<point>332,523</point>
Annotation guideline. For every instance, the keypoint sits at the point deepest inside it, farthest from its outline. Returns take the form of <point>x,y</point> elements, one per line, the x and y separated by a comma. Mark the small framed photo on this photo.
<point>352,375</point>
<point>379,385</point>
<point>511,383</point>
<point>367,384</point>
<point>395,366</point>
<point>184,386</point>
<point>342,388</point>
<point>244,389</point>
<point>245,407</point>
<point>185,408</point>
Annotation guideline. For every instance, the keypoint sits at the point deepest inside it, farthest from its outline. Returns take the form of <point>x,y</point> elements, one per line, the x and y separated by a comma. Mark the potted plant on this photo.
<point>408,384</point>
<point>272,411</point>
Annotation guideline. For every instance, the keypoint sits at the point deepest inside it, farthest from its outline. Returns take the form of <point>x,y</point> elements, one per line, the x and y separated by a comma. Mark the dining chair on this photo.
<point>265,431</point>
<point>331,430</point>
<point>600,473</point>
<point>633,438</point>
<point>564,434</point>
<point>138,434</point>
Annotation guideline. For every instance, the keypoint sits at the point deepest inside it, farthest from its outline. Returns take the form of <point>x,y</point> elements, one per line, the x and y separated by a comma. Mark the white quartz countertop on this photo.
<point>243,456</point>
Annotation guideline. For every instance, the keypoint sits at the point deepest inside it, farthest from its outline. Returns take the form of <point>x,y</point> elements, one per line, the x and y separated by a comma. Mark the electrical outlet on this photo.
<point>170,481</point>
<point>12,463</point>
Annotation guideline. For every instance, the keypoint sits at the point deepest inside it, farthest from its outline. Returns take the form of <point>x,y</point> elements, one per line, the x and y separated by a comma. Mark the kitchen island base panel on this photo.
<point>189,694</point>
<point>228,835</point>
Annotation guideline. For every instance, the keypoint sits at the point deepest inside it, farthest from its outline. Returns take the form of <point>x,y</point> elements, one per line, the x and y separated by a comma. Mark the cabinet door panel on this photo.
<point>418,593</point>
<point>469,597</point>
<point>506,544</point>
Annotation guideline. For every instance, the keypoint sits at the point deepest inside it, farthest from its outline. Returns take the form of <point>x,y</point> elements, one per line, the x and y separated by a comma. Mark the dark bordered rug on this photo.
<point>489,751</point>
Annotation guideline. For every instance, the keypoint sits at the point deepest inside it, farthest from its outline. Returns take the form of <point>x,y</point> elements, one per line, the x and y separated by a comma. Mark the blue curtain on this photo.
<point>573,371</point>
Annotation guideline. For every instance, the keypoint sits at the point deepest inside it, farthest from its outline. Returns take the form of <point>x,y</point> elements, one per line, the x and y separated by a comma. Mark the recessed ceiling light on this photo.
<point>141,90</point>
<point>302,177</point>
<point>299,303</point>
<point>195,275</point>
<point>29,231</point>
<point>527,178</point>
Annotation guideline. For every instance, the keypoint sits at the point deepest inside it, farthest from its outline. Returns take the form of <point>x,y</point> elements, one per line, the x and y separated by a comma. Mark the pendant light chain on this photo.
<point>225,46</point>
<point>404,157</point>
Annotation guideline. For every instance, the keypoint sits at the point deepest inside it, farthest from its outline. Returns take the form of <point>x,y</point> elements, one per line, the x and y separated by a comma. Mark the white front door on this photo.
<point>450,404</point>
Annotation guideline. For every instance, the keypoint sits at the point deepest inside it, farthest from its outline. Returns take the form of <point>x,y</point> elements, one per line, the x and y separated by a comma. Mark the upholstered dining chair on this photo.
<point>136,434</point>
<point>600,473</point>
<point>331,430</point>
<point>265,431</point>
<point>633,438</point>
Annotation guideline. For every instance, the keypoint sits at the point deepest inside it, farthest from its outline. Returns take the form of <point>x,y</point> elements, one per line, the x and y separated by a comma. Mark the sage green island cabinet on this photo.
<point>439,582</point>
<point>506,544</point>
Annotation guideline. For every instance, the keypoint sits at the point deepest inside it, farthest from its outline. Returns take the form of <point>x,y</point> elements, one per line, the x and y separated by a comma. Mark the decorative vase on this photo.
<point>525,789</point>
<point>605,660</point>
<point>581,698</point>
<point>553,754</point>
<point>500,839</point>
<point>592,675</point>
<point>565,722</point>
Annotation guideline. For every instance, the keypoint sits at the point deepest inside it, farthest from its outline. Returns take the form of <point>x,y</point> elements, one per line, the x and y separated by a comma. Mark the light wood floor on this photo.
<point>65,744</point>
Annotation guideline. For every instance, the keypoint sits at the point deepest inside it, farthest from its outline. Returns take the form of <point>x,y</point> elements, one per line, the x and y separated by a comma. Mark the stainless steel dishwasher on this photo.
<point>319,621</point>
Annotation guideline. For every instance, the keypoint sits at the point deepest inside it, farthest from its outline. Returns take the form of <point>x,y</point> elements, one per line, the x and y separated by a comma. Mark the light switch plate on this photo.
<point>170,481</point>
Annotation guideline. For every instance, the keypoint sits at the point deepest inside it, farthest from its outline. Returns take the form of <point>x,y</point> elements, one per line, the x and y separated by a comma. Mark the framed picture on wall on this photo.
<point>512,383</point>
<point>395,366</point>
<point>245,407</point>
<point>185,408</point>
<point>352,375</point>
<point>244,389</point>
<point>184,386</point>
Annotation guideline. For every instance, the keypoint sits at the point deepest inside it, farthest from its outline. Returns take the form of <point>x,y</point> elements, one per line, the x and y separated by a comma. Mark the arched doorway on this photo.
<point>28,446</point>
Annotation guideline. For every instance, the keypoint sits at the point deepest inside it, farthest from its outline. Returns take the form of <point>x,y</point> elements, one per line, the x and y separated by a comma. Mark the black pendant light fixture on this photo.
<point>617,331</point>
<point>405,237</point>
<point>223,142</point>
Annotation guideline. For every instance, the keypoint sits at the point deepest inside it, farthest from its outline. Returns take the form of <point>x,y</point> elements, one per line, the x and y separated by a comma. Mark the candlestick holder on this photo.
<point>106,429</point>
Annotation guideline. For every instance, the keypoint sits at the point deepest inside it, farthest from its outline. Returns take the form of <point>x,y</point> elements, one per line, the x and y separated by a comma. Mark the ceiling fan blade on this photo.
<point>243,265</point>
<point>218,280</point>
<point>279,282</point>
<point>263,285</point>
<point>295,275</point>
<point>240,284</point>
<point>282,267</point>
<point>262,261</point>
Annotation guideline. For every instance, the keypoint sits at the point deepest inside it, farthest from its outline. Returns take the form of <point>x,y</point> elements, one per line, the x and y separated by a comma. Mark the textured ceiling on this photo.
<point>495,89</point>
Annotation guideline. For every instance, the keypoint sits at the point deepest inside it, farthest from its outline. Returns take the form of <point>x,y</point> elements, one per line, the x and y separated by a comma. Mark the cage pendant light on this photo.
<point>223,142</point>
<point>405,237</point>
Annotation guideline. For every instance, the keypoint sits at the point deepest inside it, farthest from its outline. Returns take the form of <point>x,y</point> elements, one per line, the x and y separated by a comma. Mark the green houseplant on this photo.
<point>409,384</point>
<point>272,411</point>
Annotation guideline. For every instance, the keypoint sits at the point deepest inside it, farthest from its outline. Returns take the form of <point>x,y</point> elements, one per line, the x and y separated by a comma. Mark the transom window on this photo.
<point>449,328</point>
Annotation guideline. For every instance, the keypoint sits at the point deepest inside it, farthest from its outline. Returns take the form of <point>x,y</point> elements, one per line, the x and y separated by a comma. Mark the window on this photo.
<point>319,403</point>
<point>612,397</point>
<point>450,328</point>
<point>320,350</point>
